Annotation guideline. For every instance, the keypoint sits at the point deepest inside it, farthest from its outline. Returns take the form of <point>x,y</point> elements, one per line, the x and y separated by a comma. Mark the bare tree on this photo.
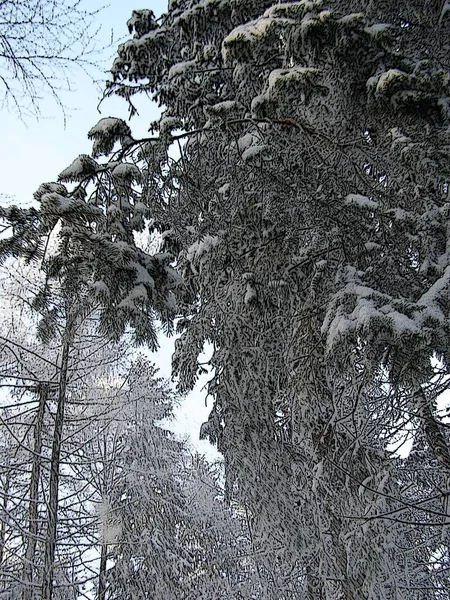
<point>42,43</point>
<point>41,418</point>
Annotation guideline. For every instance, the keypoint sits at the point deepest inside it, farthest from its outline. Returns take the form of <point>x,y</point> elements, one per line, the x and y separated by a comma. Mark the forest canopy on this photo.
<point>296,188</point>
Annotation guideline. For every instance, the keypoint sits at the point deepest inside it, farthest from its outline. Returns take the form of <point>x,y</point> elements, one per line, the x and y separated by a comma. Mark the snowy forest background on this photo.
<point>286,219</point>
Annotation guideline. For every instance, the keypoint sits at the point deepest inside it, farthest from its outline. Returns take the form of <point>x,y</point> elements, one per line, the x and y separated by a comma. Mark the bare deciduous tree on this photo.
<point>42,43</point>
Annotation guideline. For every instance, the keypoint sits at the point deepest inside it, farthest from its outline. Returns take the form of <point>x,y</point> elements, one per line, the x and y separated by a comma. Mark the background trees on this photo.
<point>98,499</point>
<point>45,507</point>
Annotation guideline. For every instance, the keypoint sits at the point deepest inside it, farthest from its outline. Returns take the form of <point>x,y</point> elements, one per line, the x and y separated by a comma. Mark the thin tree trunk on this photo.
<point>102,573</point>
<point>104,548</point>
<point>3,517</point>
<point>34,490</point>
<point>351,583</point>
<point>314,586</point>
<point>52,510</point>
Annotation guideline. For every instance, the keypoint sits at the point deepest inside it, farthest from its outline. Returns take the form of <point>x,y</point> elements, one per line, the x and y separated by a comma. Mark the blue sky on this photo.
<point>36,151</point>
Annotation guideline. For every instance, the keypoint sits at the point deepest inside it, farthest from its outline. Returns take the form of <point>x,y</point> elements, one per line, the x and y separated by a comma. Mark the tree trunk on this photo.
<point>314,586</point>
<point>3,517</point>
<point>102,573</point>
<point>52,509</point>
<point>34,491</point>
<point>434,435</point>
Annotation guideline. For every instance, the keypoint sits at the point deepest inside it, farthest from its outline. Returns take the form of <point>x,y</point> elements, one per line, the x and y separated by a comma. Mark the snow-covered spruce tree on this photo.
<point>141,501</point>
<point>94,247</point>
<point>308,212</point>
